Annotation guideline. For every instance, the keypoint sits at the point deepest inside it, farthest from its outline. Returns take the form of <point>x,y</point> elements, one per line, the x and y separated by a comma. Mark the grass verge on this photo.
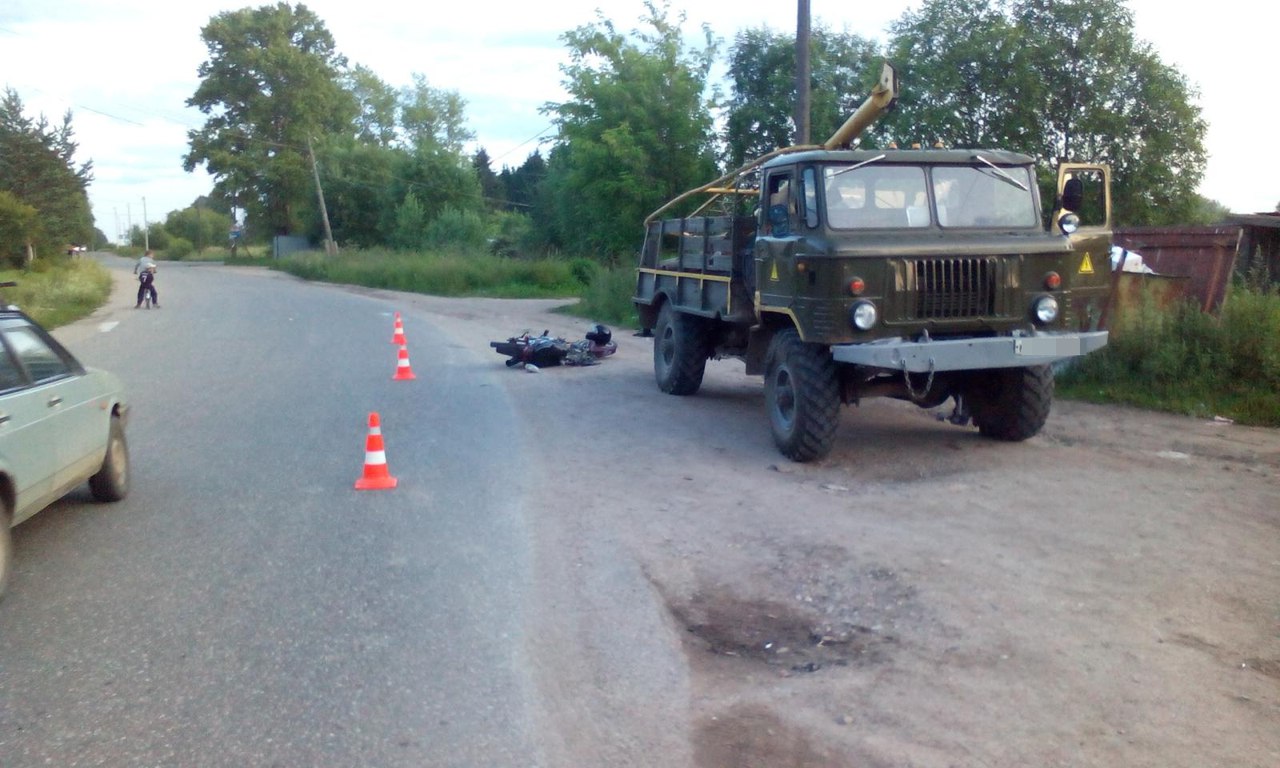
<point>57,291</point>
<point>444,274</point>
<point>1185,361</point>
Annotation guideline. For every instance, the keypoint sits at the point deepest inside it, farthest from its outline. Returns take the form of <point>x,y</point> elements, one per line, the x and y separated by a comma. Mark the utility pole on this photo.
<point>146,236</point>
<point>330,247</point>
<point>802,72</point>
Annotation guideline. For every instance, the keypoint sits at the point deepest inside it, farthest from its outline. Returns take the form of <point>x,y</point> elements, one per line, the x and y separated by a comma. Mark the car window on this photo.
<point>10,374</point>
<point>43,363</point>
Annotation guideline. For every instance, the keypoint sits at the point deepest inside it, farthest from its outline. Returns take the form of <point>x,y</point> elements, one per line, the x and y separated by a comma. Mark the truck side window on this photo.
<point>778,206</point>
<point>809,188</point>
<point>1093,211</point>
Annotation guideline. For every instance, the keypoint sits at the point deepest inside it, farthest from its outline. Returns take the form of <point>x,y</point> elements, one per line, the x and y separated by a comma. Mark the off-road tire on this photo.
<point>1012,404</point>
<point>802,397</point>
<point>111,483</point>
<point>680,351</point>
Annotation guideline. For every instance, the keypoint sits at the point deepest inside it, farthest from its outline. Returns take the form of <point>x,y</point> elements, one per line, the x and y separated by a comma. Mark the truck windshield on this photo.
<point>982,196</point>
<point>875,196</point>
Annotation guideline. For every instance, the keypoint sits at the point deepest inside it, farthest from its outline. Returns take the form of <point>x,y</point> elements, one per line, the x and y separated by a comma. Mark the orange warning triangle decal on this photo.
<point>1086,266</point>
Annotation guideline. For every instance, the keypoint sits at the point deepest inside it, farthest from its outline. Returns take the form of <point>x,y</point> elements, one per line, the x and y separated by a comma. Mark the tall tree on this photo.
<point>271,83</point>
<point>762,63</point>
<point>490,187</point>
<point>520,185</point>
<point>962,64</point>
<point>408,142</point>
<point>635,131</point>
<point>37,167</point>
<point>431,119</point>
<point>358,190</point>
<point>377,104</point>
<point>1107,96</point>
<point>199,225</point>
<point>1059,80</point>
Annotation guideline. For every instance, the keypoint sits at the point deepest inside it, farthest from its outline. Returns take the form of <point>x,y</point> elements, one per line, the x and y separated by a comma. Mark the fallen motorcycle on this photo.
<point>547,350</point>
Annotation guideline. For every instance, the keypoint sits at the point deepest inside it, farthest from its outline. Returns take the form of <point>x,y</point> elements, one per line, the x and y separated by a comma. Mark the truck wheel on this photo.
<point>679,352</point>
<point>1012,403</point>
<point>802,397</point>
<point>111,483</point>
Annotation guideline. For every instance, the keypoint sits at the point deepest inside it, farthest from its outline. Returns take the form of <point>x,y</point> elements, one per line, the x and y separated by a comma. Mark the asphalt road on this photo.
<point>245,605</point>
<point>578,570</point>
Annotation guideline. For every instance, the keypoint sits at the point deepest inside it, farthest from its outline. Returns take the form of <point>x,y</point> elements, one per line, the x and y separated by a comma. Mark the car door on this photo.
<point>74,419</point>
<point>28,450</point>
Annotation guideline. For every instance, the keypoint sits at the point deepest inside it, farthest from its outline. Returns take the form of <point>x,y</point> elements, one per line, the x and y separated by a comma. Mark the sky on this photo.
<point>125,70</point>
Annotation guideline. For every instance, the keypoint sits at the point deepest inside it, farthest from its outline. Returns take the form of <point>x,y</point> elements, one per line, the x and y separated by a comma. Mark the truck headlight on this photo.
<point>864,315</point>
<point>1045,310</point>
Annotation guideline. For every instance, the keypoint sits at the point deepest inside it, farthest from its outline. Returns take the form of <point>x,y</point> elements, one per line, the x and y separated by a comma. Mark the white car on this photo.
<point>61,424</point>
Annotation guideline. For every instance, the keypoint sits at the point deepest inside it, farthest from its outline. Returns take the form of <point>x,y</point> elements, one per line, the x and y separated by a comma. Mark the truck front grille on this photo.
<point>951,289</point>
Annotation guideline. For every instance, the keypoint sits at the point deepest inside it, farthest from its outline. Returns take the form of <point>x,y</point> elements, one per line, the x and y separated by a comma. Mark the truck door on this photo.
<point>779,235</point>
<point>1085,190</point>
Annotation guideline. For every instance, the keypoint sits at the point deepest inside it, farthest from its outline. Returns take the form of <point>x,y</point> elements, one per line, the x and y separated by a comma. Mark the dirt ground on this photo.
<point>1104,594</point>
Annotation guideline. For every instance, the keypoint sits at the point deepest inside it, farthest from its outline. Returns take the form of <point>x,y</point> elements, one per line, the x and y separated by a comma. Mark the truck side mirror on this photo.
<point>1073,194</point>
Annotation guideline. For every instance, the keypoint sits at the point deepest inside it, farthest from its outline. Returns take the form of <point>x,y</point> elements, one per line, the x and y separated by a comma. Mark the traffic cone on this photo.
<point>376,477</point>
<point>398,336</point>
<point>403,371</point>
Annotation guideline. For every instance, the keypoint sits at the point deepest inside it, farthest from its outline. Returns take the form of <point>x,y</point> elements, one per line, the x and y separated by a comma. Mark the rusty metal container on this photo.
<point>1205,256</point>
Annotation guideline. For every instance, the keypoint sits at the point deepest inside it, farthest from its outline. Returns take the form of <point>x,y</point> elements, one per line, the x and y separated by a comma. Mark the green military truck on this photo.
<point>918,274</point>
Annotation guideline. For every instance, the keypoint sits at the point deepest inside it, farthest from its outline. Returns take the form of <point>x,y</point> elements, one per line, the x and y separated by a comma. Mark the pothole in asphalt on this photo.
<point>812,609</point>
<point>775,633</point>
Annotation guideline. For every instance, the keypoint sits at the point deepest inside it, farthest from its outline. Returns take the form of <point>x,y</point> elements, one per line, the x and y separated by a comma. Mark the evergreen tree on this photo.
<point>38,169</point>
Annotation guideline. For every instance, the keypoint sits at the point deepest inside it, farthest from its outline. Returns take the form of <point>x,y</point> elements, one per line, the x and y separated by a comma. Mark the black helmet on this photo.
<point>599,334</point>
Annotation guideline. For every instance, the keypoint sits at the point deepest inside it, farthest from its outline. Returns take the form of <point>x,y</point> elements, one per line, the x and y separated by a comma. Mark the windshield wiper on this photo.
<point>859,165</point>
<point>1002,173</point>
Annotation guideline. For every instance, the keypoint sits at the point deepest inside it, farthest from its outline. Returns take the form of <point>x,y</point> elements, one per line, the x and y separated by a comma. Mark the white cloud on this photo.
<point>127,67</point>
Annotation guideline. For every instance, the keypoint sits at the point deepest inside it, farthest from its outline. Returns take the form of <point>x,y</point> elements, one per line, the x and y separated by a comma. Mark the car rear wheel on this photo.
<point>111,483</point>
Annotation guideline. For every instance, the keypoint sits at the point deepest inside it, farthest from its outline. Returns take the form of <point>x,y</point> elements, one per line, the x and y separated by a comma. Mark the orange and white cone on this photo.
<point>398,336</point>
<point>376,477</point>
<point>403,370</point>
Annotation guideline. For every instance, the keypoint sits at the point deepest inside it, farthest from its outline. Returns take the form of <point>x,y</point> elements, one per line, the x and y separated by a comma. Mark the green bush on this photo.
<point>607,298</point>
<point>584,270</point>
<point>513,235</point>
<point>1181,359</point>
<point>455,228</point>
<point>179,248</point>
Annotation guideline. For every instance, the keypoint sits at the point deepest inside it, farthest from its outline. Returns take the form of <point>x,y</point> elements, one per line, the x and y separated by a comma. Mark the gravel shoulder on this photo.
<point>1107,593</point>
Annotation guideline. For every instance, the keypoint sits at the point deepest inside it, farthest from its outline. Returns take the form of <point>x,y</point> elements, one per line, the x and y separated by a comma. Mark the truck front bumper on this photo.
<point>969,354</point>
